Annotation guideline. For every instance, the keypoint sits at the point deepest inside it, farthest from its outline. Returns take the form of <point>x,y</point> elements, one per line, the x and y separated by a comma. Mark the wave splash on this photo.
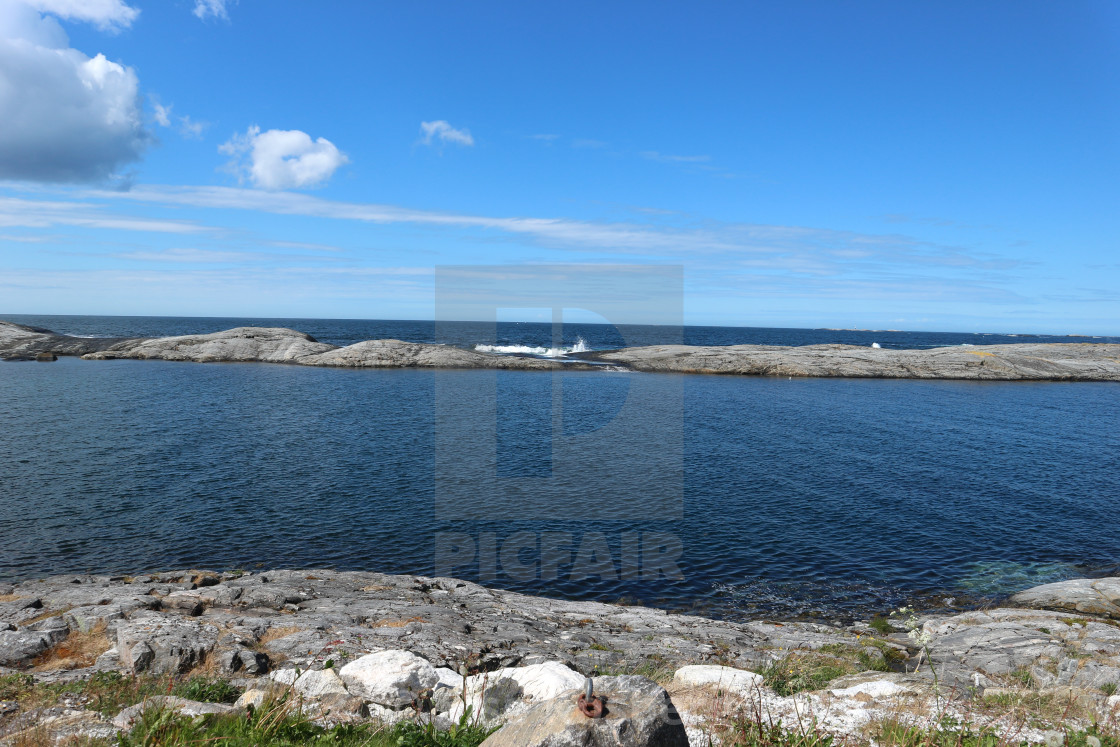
<point>580,346</point>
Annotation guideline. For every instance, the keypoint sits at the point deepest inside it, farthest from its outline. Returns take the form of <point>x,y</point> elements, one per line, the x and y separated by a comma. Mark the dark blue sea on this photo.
<point>824,498</point>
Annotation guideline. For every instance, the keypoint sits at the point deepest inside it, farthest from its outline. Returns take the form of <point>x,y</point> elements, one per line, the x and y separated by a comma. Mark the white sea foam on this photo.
<point>580,347</point>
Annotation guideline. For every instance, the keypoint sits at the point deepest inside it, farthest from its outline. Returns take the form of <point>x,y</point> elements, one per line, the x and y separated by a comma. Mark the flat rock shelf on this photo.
<point>375,648</point>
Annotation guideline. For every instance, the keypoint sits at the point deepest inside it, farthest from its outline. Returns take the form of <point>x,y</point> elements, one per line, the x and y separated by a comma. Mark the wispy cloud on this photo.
<point>652,155</point>
<point>24,239</point>
<point>187,127</point>
<point>108,15</point>
<point>198,256</point>
<point>218,9</point>
<point>792,249</point>
<point>19,212</point>
<point>441,131</point>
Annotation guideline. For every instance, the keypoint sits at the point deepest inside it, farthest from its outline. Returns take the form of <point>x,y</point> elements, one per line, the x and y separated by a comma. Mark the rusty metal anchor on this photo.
<point>588,703</point>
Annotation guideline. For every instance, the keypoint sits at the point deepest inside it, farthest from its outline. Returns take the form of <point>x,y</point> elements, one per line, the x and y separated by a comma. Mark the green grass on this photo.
<point>1109,688</point>
<point>652,667</point>
<point>266,727</point>
<point>808,671</point>
<point>881,625</point>
<point>207,690</point>
<point>278,724</point>
<point>759,733</point>
<point>104,692</point>
<point>109,692</point>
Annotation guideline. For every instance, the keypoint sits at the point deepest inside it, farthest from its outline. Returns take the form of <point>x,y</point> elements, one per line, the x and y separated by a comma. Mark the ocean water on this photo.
<point>524,337</point>
<point>822,498</point>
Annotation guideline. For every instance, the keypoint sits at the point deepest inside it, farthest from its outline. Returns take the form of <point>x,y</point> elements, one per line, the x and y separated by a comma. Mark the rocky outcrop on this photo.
<point>20,342</point>
<point>355,646</point>
<point>1013,362</point>
<point>279,345</point>
<point>1092,596</point>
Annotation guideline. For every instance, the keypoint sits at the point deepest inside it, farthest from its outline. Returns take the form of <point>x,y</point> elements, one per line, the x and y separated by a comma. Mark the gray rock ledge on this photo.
<point>359,645</point>
<point>1012,362</point>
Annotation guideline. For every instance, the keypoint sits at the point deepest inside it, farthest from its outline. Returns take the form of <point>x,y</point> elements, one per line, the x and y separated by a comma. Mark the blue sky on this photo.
<point>948,166</point>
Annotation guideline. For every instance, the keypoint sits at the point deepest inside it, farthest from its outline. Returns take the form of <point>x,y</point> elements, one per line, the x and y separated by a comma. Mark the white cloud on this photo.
<point>204,9</point>
<point>66,116</point>
<point>282,159</point>
<point>443,132</point>
<point>108,15</point>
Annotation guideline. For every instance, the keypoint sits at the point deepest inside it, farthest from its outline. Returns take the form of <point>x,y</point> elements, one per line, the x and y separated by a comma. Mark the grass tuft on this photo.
<point>881,625</point>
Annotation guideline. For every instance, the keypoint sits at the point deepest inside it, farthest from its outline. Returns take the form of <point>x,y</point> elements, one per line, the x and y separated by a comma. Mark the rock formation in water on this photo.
<point>1011,362</point>
<point>20,342</point>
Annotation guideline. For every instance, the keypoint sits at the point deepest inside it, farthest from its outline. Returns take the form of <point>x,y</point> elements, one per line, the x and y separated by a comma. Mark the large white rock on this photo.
<point>639,714</point>
<point>389,678</point>
<point>448,678</point>
<point>738,681</point>
<point>506,692</point>
<point>318,683</point>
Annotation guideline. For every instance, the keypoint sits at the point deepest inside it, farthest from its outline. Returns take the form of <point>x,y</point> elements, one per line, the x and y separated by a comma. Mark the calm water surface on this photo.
<point>821,497</point>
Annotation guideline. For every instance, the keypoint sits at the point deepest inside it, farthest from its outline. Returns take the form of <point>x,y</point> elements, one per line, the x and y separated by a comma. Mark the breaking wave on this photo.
<point>580,346</point>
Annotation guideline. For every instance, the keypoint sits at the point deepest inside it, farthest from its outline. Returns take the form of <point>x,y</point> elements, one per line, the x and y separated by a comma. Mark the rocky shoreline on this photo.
<point>1011,362</point>
<point>373,647</point>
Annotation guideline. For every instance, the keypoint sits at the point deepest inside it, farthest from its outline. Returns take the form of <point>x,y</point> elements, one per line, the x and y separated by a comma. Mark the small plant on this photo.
<point>1023,676</point>
<point>881,625</point>
<point>1109,688</point>
<point>757,731</point>
<point>894,733</point>
<point>799,672</point>
<point>464,734</point>
<point>207,690</point>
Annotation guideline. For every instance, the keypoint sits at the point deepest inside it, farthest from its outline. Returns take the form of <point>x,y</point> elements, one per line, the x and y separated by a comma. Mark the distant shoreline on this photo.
<point>1069,361</point>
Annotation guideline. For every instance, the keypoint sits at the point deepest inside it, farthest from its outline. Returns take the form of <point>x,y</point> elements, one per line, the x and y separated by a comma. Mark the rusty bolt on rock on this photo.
<point>588,703</point>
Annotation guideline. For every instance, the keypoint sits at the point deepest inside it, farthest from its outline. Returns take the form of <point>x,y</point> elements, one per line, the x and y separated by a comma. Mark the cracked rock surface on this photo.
<point>368,645</point>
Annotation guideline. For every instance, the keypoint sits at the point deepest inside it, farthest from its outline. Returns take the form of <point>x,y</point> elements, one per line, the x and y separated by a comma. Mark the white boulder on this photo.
<point>389,678</point>
<point>738,681</point>
<point>318,683</point>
